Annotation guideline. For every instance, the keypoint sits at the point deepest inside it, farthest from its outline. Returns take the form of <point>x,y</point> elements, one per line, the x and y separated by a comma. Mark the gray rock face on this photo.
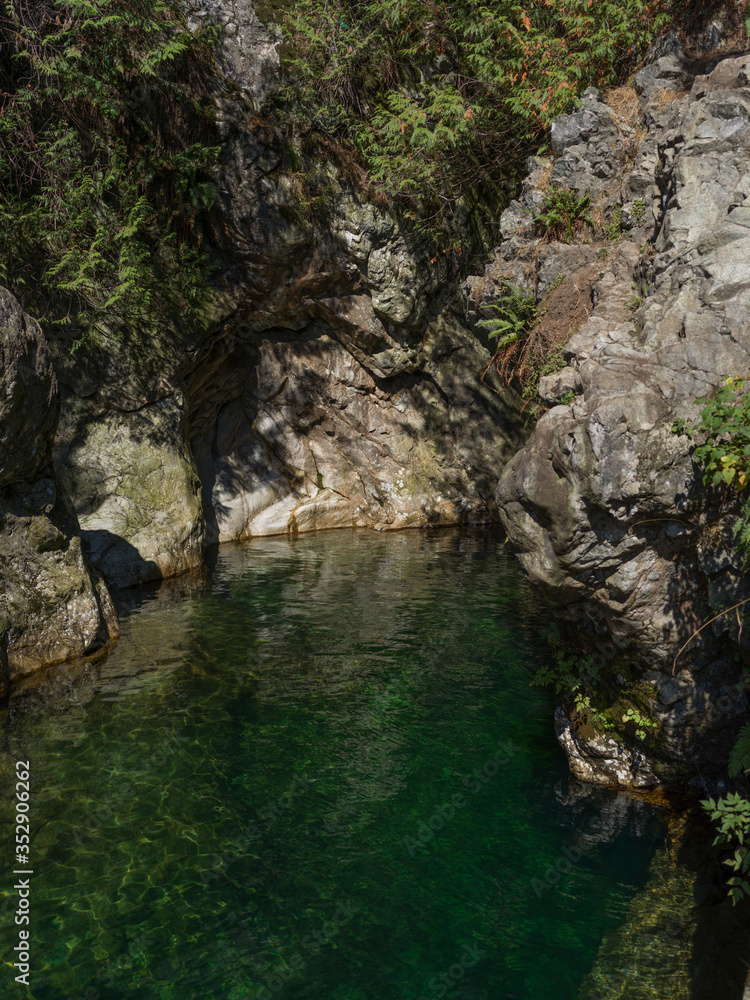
<point>604,504</point>
<point>29,403</point>
<point>669,73</point>
<point>248,49</point>
<point>590,145</point>
<point>332,384</point>
<point>136,489</point>
<point>52,606</point>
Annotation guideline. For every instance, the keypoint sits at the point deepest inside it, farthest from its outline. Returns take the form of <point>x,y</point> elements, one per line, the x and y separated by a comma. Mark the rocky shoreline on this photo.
<point>338,382</point>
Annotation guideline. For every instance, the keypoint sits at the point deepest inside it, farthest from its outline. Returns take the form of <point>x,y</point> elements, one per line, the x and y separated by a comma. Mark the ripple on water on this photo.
<point>285,782</point>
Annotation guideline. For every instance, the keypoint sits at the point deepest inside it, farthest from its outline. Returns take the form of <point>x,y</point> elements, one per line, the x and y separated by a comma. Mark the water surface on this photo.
<point>321,775</point>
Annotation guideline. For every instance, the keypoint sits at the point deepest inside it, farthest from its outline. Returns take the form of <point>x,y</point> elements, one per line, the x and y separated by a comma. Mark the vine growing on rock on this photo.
<point>105,159</point>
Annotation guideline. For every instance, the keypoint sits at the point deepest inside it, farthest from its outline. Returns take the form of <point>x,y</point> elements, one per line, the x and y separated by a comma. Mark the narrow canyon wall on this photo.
<point>334,382</point>
<point>604,505</point>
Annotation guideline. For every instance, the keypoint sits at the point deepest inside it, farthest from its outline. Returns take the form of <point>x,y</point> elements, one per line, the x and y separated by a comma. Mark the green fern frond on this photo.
<point>739,758</point>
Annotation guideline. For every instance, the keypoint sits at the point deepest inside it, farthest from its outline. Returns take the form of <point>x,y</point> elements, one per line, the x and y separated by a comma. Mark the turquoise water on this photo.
<point>320,774</point>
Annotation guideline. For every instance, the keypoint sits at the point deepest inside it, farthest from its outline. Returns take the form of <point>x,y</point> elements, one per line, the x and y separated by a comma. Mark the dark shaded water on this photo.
<point>322,775</point>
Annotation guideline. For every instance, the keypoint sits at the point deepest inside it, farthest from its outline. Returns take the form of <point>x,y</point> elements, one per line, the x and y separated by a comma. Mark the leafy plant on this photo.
<point>732,814</point>
<point>515,314</point>
<point>104,168</point>
<point>570,674</point>
<point>537,368</point>
<point>641,722</point>
<point>613,231</point>
<point>442,99</point>
<point>739,759</point>
<point>725,419</point>
<point>639,210</point>
<point>557,282</point>
<point>563,213</point>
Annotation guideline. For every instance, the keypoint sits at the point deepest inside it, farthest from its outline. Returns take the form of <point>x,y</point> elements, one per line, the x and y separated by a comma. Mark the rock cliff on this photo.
<point>604,504</point>
<point>332,382</point>
<point>336,380</point>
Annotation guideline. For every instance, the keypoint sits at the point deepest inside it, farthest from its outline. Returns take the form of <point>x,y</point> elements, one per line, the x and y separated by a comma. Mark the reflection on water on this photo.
<point>320,773</point>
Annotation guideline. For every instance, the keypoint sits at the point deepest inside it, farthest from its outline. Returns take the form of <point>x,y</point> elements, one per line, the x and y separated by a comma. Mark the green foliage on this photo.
<point>570,674</point>
<point>639,210</point>
<point>642,722</point>
<point>634,303</point>
<point>732,814</point>
<point>563,214</point>
<point>725,452</point>
<point>440,98</point>
<point>739,759</point>
<point>104,169</point>
<point>725,420</point>
<point>557,282</point>
<point>613,231</point>
<point>539,366</point>
<point>516,313</point>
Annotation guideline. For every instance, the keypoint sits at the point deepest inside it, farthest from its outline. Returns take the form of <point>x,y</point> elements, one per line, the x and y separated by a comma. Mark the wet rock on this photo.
<point>602,759</point>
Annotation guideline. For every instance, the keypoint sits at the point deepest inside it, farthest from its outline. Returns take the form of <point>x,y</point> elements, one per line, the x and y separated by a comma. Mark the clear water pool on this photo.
<point>322,774</point>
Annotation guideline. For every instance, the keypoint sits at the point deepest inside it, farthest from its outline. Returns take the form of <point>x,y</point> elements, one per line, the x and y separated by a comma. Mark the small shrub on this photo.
<point>725,419</point>
<point>563,214</point>
<point>516,313</point>
<point>571,675</point>
<point>613,231</point>
<point>641,722</point>
<point>732,814</point>
<point>639,210</point>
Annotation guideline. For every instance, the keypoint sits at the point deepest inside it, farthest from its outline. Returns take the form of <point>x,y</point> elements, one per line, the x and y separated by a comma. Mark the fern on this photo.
<point>87,170</point>
<point>515,315</point>
<point>739,759</point>
<point>366,75</point>
<point>563,213</point>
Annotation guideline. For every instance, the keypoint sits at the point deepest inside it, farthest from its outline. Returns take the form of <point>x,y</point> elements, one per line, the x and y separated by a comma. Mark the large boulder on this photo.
<point>52,606</point>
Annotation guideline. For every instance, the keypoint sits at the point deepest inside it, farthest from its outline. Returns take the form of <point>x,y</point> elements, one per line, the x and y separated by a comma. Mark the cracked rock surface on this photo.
<point>604,504</point>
